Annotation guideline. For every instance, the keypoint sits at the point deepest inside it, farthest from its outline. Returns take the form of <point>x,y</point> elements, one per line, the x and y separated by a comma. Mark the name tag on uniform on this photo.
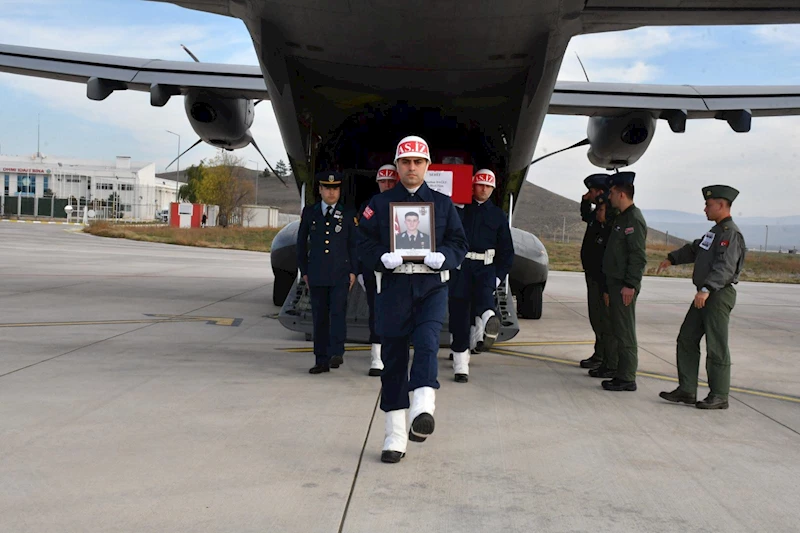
<point>708,240</point>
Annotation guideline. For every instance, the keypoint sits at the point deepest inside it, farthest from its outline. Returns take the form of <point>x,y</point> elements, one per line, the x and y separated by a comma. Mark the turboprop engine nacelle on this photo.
<point>619,141</point>
<point>220,121</point>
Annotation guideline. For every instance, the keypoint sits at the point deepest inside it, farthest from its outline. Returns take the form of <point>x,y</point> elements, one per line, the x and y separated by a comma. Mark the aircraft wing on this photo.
<point>675,103</point>
<point>161,79</point>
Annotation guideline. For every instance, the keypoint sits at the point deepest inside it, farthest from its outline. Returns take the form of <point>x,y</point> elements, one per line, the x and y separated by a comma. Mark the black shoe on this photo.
<point>591,363</point>
<point>619,385</point>
<point>337,360</point>
<point>451,356</point>
<point>490,333</point>
<point>421,427</point>
<point>319,369</point>
<point>462,378</point>
<point>603,372</point>
<point>679,396</point>
<point>712,401</point>
<point>375,371</point>
<point>389,456</point>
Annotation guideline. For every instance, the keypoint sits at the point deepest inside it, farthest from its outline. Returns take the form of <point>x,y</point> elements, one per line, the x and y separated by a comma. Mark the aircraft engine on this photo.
<point>619,141</point>
<point>220,121</point>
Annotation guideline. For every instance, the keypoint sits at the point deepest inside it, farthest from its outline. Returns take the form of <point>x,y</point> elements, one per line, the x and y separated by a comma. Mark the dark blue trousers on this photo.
<point>425,318</point>
<point>329,310</point>
<point>471,294</point>
<point>372,287</point>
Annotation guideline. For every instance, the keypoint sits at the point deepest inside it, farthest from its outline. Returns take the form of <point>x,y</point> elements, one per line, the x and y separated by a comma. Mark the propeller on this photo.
<point>184,153</point>
<point>253,142</point>
<point>576,145</point>
<point>191,54</point>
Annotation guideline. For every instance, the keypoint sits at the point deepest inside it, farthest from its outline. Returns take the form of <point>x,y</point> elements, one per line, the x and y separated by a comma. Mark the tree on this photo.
<point>223,186</point>
<point>282,169</point>
<point>194,177</point>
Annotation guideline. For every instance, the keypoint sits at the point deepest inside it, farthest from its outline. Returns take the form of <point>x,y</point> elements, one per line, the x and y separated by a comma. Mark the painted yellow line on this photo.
<point>309,350</point>
<point>662,377</point>
<point>545,343</point>
<point>221,321</point>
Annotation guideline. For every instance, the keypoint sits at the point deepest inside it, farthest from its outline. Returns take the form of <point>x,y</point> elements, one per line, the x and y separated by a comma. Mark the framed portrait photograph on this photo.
<point>413,230</point>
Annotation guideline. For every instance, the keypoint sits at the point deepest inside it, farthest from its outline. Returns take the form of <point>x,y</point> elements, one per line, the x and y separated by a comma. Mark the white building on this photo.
<point>113,189</point>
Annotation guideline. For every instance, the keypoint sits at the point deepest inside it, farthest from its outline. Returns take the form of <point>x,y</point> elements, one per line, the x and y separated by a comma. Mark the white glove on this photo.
<point>496,282</point>
<point>435,260</point>
<point>391,260</point>
<point>360,279</point>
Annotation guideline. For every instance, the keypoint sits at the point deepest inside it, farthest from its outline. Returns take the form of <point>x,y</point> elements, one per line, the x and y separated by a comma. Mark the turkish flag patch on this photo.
<point>628,231</point>
<point>724,243</point>
<point>368,213</point>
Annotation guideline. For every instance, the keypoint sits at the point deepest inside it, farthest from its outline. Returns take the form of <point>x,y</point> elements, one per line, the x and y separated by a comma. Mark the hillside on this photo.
<point>547,215</point>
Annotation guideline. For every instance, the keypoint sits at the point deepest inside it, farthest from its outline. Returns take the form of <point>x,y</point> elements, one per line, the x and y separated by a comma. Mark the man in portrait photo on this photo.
<point>413,238</point>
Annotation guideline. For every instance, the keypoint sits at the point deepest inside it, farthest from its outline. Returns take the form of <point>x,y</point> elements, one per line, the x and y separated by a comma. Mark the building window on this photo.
<point>6,185</point>
<point>26,185</point>
<point>46,182</point>
<point>105,186</point>
<point>125,187</point>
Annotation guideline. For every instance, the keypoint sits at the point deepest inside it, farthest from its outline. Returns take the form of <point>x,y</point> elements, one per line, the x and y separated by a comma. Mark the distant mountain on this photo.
<point>784,232</point>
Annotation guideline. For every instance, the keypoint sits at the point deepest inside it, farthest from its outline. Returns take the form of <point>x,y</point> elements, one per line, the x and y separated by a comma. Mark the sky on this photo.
<point>762,164</point>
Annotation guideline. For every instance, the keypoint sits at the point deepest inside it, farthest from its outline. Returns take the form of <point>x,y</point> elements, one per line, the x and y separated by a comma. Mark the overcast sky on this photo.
<point>762,164</point>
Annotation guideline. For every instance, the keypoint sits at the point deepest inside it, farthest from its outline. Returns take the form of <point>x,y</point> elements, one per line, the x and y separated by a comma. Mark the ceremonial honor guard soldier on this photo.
<point>387,178</point>
<point>718,258</point>
<point>472,286</point>
<point>624,262</point>
<point>326,256</point>
<point>411,300</point>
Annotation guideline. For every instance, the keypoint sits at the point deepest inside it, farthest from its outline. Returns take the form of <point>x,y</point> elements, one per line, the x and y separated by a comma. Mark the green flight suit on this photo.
<point>624,263</point>
<point>718,258</point>
<point>592,251</point>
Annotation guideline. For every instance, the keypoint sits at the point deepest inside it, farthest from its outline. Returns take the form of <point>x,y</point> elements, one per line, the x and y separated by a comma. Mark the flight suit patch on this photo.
<point>629,231</point>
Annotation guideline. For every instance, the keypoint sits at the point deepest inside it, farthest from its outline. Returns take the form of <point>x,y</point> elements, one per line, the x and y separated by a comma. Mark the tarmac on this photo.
<point>147,387</point>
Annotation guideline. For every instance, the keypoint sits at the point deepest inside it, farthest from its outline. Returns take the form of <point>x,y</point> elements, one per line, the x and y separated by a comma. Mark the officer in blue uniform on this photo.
<point>326,256</point>
<point>491,252</point>
<point>411,303</point>
<point>387,178</point>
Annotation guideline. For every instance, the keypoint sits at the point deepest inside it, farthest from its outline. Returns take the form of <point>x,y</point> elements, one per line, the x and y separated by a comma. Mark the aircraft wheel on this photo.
<point>530,305</point>
<point>283,284</point>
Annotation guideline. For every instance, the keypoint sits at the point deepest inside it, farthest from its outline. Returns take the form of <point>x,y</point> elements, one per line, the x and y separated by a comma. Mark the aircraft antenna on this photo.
<point>582,68</point>
<point>191,54</point>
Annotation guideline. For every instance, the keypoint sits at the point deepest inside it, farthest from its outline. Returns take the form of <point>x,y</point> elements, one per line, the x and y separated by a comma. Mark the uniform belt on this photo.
<point>412,268</point>
<point>487,257</point>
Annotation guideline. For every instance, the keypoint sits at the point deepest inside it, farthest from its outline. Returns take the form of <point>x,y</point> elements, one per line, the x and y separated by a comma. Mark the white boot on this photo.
<point>461,366</point>
<point>376,366</point>
<point>395,437</point>
<point>476,333</point>
<point>490,325</point>
<point>423,404</point>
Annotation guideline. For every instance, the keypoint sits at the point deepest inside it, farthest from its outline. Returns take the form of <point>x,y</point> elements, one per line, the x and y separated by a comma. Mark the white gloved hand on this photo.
<point>391,260</point>
<point>496,282</point>
<point>360,279</point>
<point>435,260</point>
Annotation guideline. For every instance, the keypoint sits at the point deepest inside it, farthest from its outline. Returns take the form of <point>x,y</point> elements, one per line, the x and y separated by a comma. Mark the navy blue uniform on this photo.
<point>410,307</point>
<point>472,286</point>
<point>326,253</point>
<point>371,287</point>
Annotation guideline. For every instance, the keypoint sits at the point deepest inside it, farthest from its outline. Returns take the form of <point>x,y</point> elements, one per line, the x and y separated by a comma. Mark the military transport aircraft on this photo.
<point>348,78</point>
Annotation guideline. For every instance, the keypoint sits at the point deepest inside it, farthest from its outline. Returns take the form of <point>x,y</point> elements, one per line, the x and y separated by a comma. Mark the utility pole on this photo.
<point>564,230</point>
<point>178,173</point>
<point>666,238</point>
<point>766,238</point>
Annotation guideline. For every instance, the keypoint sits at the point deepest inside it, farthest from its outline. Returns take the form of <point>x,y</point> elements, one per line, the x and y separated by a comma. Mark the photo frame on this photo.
<point>413,229</point>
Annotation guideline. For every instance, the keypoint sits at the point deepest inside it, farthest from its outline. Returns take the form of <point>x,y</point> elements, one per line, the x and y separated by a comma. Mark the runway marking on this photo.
<point>652,375</point>
<point>156,319</point>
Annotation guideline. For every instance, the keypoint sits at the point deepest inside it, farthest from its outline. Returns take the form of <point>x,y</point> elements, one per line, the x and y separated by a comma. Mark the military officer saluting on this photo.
<point>412,238</point>
<point>411,300</point>
<point>387,178</point>
<point>491,252</point>
<point>718,258</point>
<point>326,256</point>
<point>592,249</point>
<point>624,262</point>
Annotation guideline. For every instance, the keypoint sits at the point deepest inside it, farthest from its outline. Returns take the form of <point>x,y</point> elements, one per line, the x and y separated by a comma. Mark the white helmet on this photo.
<point>412,146</point>
<point>387,172</point>
<point>484,177</point>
